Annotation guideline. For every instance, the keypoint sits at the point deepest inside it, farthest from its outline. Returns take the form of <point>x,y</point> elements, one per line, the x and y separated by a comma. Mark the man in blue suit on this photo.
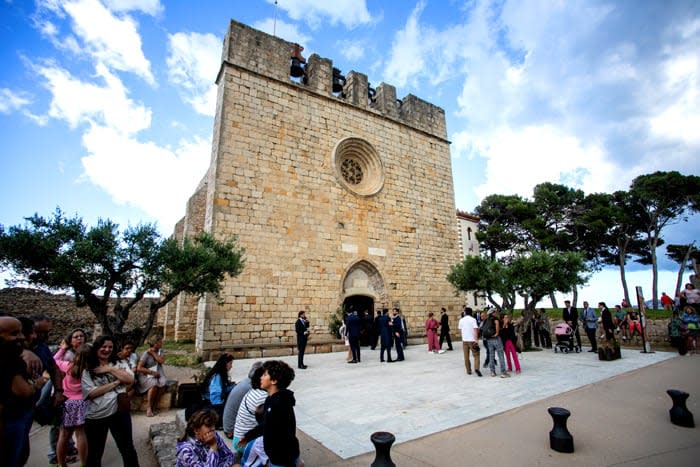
<point>386,334</point>
<point>397,325</point>
<point>354,326</point>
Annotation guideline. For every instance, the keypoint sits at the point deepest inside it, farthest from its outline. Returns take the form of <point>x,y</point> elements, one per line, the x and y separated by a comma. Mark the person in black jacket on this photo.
<point>302,329</point>
<point>607,320</point>
<point>279,424</point>
<point>570,317</point>
<point>445,329</point>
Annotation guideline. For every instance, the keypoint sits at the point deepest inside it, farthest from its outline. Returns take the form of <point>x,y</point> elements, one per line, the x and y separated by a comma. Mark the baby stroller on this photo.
<point>565,339</point>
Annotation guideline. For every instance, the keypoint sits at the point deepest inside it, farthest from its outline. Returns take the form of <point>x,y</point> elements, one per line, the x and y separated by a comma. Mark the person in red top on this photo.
<point>666,301</point>
<point>431,327</point>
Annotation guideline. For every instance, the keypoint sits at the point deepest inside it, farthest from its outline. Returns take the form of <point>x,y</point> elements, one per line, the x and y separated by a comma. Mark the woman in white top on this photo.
<point>102,381</point>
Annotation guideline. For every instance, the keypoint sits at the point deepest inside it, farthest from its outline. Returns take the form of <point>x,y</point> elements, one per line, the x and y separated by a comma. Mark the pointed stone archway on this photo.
<point>363,291</point>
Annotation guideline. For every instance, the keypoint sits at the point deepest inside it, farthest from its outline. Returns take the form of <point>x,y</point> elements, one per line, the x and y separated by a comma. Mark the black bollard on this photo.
<point>382,441</point>
<point>559,438</point>
<point>680,415</point>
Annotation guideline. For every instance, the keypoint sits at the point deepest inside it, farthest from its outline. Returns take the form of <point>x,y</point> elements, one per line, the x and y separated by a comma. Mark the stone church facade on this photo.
<point>341,195</point>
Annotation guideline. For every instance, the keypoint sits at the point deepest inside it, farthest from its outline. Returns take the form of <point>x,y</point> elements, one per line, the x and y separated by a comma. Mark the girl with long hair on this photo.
<point>75,407</point>
<point>216,385</point>
<point>508,337</point>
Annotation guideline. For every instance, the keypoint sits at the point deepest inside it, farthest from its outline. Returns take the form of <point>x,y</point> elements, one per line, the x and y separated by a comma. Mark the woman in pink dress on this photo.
<point>431,327</point>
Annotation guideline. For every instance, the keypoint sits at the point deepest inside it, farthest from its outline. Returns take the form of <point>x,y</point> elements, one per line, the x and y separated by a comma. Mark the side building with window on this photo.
<point>468,225</point>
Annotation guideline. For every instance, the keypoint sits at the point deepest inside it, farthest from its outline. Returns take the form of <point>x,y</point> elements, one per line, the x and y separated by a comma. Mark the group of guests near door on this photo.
<point>84,386</point>
<point>389,329</point>
<point>259,418</point>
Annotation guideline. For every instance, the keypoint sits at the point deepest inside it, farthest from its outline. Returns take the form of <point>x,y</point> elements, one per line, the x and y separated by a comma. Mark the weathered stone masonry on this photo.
<point>331,195</point>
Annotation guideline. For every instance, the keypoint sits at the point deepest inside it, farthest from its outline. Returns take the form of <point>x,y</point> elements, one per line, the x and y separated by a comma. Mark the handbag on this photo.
<point>46,413</point>
<point>123,402</point>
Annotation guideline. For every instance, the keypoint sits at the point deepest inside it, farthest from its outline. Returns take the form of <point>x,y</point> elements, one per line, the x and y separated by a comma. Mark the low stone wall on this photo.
<point>167,400</point>
<point>164,437</point>
<point>61,308</point>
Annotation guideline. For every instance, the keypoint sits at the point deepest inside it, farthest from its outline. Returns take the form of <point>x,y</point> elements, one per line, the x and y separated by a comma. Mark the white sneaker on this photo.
<point>441,351</point>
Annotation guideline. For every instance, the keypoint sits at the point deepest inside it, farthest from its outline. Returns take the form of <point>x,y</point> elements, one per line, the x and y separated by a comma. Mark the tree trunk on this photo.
<point>574,296</point>
<point>553,299</point>
<point>623,278</point>
<point>653,241</point>
<point>681,269</point>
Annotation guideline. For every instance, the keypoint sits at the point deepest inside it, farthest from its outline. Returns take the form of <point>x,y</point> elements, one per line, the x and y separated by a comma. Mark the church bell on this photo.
<point>338,80</point>
<point>296,69</point>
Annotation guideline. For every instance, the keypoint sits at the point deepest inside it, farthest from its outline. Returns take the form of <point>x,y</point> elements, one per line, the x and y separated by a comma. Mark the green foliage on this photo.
<point>189,360</point>
<point>558,208</point>
<point>335,321</point>
<point>663,199</point>
<point>100,262</point>
<point>534,275</point>
<point>542,272</point>
<point>504,224</point>
<point>486,275</point>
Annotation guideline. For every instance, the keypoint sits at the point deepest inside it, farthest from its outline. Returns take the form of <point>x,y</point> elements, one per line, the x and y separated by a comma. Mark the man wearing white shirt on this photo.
<point>470,338</point>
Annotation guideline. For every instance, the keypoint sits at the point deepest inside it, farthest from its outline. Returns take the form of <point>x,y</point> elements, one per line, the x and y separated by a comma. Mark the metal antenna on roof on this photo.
<point>274,23</point>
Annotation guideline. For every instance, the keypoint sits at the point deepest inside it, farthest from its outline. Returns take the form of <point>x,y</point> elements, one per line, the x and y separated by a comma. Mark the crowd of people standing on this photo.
<point>82,391</point>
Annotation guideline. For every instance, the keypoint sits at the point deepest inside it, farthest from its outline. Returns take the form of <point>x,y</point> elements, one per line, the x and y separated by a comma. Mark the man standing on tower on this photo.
<point>302,329</point>
<point>445,329</point>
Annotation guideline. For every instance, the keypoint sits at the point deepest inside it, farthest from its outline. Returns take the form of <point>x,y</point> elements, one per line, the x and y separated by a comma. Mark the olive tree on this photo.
<point>111,271</point>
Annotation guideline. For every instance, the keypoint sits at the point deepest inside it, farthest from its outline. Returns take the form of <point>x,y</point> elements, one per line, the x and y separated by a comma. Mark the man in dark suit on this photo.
<point>397,326</point>
<point>302,329</point>
<point>445,329</point>
<point>570,317</point>
<point>354,325</point>
<point>386,333</point>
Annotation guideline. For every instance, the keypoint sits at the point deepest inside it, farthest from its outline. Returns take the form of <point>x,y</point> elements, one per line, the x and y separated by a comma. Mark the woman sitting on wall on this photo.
<point>216,385</point>
<point>151,377</point>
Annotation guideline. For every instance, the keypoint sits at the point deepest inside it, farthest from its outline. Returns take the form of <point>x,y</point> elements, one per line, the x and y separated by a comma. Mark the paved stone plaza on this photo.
<point>340,405</point>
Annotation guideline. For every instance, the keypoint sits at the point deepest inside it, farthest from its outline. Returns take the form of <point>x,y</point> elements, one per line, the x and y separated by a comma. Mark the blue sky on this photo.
<point>106,106</point>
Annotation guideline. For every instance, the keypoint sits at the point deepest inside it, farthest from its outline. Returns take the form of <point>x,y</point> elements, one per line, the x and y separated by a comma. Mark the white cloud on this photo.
<point>420,53</point>
<point>350,13</point>
<point>680,119</point>
<point>78,102</point>
<point>11,101</point>
<point>109,39</point>
<point>153,178</point>
<point>352,50</point>
<point>517,160</point>
<point>193,62</point>
<point>150,7</point>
